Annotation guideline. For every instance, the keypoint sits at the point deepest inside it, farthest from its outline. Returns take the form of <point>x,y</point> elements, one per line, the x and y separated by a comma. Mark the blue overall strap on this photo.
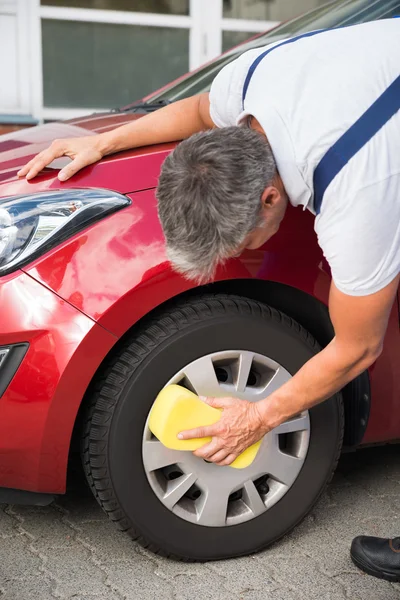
<point>259,58</point>
<point>264,54</point>
<point>377,115</point>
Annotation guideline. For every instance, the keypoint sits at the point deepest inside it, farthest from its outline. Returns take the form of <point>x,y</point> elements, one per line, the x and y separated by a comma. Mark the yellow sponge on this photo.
<point>177,409</point>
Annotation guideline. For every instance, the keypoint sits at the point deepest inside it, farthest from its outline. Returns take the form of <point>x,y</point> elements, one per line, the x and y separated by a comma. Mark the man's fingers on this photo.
<point>227,461</point>
<point>199,432</point>
<point>43,159</point>
<point>208,450</point>
<point>219,456</point>
<point>222,457</point>
<point>217,402</point>
<point>25,169</point>
<point>35,169</point>
<point>39,162</point>
<point>22,172</point>
<point>81,160</point>
<point>82,152</point>
<point>78,163</point>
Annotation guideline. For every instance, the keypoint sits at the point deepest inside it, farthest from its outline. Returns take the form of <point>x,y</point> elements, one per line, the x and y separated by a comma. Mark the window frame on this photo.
<point>205,23</point>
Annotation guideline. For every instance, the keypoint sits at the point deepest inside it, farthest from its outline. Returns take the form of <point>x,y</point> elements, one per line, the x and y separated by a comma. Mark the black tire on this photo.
<point>123,395</point>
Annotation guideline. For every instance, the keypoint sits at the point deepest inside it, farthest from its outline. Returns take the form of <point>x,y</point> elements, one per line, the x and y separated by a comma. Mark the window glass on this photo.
<point>174,7</point>
<point>98,65</point>
<point>268,10</point>
<point>234,38</point>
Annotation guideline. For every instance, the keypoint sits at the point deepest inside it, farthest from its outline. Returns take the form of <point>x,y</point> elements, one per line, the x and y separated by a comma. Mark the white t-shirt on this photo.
<point>306,95</point>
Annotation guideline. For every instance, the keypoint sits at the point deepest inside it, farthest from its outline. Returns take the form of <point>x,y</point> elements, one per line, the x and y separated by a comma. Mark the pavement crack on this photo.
<point>210,567</point>
<point>30,540</point>
<point>89,548</point>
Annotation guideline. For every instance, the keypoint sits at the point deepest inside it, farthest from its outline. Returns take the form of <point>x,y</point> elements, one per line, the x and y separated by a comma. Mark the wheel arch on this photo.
<point>312,314</point>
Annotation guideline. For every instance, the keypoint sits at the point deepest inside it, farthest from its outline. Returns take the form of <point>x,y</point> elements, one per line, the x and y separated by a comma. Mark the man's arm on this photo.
<point>360,324</point>
<point>174,122</point>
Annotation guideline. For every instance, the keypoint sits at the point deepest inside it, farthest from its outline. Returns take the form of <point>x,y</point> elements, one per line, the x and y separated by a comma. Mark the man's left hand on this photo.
<point>240,426</point>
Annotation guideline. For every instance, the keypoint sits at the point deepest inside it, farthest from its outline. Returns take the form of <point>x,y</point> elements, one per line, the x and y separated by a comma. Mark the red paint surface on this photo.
<point>38,410</point>
<point>73,303</point>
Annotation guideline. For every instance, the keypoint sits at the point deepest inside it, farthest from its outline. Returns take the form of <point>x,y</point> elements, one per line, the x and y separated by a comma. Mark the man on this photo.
<point>313,121</point>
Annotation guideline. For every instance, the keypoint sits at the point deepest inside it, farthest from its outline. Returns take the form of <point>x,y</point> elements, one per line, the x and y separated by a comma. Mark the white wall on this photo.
<point>9,84</point>
<point>15,57</point>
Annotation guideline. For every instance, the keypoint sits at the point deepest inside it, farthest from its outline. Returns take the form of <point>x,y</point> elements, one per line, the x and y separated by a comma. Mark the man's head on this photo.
<point>219,193</point>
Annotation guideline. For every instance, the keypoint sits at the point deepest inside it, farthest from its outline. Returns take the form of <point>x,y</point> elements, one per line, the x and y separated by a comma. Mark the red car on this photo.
<point>94,323</point>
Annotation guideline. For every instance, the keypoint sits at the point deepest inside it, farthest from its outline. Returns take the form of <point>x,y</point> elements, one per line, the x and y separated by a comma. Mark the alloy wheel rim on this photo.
<point>214,496</point>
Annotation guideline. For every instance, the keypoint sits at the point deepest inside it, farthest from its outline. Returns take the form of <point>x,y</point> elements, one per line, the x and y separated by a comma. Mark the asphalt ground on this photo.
<point>70,550</point>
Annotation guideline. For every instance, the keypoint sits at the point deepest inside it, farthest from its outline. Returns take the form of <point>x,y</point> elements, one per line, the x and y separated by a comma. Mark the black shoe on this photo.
<point>379,557</point>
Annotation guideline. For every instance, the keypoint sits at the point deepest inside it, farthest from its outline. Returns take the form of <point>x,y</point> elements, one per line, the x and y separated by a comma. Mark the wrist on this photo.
<point>260,419</point>
<point>105,144</point>
<point>270,413</point>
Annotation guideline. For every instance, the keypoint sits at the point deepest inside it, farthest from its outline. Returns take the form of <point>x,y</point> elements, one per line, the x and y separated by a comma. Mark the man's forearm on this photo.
<point>320,378</point>
<point>171,123</point>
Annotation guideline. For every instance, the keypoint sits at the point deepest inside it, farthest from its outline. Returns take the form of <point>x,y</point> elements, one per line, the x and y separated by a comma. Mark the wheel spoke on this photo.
<point>157,456</point>
<point>201,375</point>
<point>283,467</point>
<point>245,363</point>
<point>212,508</point>
<point>172,473</point>
<point>298,424</point>
<point>252,498</point>
<point>177,489</point>
<point>281,376</point>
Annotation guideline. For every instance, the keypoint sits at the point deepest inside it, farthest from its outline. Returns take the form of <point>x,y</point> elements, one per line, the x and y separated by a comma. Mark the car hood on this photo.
<point>17,148</point>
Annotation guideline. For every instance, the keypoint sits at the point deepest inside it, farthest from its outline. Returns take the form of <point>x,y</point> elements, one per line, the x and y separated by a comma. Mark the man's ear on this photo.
<point>270,197</point>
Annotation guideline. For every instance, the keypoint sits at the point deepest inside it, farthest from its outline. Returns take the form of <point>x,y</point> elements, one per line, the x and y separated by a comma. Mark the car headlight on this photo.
<point>32,225</point>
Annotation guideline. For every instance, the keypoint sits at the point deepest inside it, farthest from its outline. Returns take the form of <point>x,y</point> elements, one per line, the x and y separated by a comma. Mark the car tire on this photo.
<point>121,398</point>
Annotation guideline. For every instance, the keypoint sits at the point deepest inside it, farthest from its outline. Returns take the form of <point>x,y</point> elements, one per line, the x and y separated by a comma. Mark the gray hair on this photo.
<point>209,197</point>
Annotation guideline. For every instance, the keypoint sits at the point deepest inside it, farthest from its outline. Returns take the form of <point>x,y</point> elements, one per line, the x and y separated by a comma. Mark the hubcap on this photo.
<point>214,496</point>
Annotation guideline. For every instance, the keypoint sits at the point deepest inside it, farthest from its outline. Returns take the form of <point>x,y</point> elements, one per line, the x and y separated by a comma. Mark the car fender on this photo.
<point>116,271</point>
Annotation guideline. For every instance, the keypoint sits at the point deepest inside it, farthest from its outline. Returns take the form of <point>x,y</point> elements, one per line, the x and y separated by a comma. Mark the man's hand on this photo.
<point>84,151</point>
<point>172,123</point>
<point>239,427</point>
